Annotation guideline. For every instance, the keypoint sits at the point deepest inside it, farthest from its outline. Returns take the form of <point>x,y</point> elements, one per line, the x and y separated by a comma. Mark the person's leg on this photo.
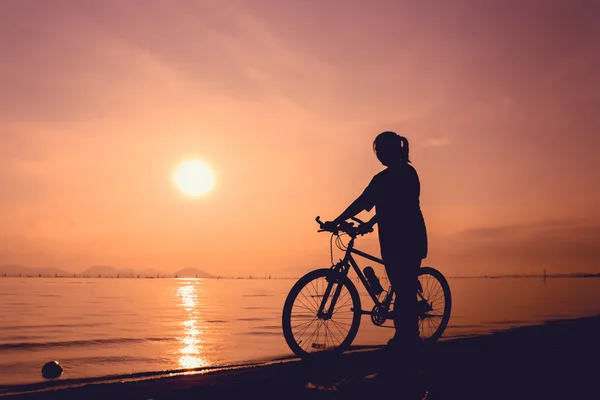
<point>402,273</point>
<point>405,304</point>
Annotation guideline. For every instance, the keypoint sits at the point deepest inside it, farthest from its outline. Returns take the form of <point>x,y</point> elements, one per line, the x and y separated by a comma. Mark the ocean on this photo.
<point>100,327</point>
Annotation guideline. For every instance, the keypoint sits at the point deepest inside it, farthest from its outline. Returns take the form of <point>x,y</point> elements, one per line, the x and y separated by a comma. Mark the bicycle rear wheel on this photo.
<point>307,331</point>
<point>434,304</point>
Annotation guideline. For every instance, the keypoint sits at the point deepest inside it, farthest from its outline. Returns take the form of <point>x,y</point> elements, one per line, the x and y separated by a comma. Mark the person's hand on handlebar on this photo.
<point>364,228</point>
<point>330,226</point>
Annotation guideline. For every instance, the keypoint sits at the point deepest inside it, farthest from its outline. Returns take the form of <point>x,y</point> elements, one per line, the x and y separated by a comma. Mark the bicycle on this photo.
<point>328,298</point>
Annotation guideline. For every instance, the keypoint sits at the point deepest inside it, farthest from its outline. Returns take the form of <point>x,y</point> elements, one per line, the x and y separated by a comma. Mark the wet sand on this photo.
<point>558,360</point>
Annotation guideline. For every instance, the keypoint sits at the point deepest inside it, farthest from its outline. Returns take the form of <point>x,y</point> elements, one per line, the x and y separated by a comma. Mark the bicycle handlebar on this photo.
<point>356,220</point>
<point>346,227</point>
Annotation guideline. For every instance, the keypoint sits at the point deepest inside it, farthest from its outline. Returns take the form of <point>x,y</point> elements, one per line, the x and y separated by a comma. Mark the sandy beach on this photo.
<point>558,360</point>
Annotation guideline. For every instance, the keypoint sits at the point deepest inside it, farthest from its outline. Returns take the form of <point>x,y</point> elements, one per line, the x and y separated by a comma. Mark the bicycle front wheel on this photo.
<point>308,331</point>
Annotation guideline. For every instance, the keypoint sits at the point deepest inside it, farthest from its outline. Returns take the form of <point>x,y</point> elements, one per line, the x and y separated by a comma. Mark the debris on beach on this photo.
<point>52,370</point>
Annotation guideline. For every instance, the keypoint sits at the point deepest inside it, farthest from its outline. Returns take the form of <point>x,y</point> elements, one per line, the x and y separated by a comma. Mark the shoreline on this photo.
<point>252,278</point>
<point>557,359</point>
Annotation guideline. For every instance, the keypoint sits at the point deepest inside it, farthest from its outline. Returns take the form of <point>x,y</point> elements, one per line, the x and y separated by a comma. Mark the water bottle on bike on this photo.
<point>374,284</point>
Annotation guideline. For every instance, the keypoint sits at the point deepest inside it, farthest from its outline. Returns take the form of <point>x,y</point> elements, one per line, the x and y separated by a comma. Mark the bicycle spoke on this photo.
<point>319,294</point>
<point>331,333</point>
<point>305,329</point>
<point>439,294</point>
<point>338,328</point>
<point>342,333</point>
<point>316,294</point>
<point>309,300</point>
<point>341,298</point>
<point>340,323</point>
<point>315,332</point>
<point>304,306</point>
<point>350,299</point>
<point>311,335</point>
<point>302,325</point>
<point>332,338</point>
<point>429,316</point>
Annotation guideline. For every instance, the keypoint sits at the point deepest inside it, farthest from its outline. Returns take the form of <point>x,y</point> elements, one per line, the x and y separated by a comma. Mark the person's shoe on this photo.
<point>394,344</point>
<point>397,342</point>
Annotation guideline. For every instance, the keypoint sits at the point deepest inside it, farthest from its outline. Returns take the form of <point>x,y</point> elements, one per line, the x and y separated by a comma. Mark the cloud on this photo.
<point>435,142</point>
<point>559,245</point>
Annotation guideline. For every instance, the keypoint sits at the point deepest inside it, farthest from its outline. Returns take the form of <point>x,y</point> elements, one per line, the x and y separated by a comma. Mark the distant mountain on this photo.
<point>192,273</point>
<point>102,271</point>
<point>149,272</point>
<point>16,270</point>
<point>107,271</point>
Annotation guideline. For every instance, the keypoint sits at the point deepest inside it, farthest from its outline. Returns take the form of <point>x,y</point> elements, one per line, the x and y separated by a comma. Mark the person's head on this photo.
<point>391,148</point>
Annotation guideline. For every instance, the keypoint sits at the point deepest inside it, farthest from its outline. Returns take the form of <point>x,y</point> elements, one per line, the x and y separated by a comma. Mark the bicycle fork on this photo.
<point>325,315</point>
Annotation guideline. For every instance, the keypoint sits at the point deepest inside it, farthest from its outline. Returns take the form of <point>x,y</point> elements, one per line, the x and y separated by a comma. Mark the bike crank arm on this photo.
<point>387,315</point>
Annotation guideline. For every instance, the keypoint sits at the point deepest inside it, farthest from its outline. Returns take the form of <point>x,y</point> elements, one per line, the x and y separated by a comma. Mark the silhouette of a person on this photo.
<point>394,192</point>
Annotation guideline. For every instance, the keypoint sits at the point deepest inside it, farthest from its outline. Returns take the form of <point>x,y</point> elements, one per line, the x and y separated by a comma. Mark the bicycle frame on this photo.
<point>343,269</point>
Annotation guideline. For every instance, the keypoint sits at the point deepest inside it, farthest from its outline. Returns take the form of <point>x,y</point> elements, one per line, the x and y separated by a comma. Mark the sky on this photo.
<point>100,101</point>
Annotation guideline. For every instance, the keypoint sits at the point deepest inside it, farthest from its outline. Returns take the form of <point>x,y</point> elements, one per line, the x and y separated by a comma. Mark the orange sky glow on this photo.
<point>101,101</point>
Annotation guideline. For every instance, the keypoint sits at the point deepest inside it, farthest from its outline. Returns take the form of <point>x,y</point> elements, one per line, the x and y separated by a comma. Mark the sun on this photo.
<point>194,178</point>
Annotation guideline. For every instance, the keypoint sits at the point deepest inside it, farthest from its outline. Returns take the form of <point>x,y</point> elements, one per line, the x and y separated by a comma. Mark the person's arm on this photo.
<point>372,221</point>
<point>365,201</point>
<point>356,207</point>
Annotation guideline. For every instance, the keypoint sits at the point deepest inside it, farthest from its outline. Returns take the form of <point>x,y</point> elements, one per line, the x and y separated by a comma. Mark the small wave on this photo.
<point>21,327</point>
<point>21,338</point>
<point>112,359</point>
<point>252,319</point>
<point>463,326</point>
<point>78,343</point>
<point>503,322</point>
<point>262,333</point>
<point>462,336</point>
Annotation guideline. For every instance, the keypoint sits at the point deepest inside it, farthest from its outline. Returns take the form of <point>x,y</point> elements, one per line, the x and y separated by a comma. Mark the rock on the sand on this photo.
<point>51,370</point>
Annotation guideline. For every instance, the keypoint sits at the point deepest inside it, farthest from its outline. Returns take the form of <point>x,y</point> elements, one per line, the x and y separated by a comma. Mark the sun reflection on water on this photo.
<point>190,352</point>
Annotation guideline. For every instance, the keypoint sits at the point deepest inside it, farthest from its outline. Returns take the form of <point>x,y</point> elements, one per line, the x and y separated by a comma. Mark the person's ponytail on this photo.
<point>404,154</point>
